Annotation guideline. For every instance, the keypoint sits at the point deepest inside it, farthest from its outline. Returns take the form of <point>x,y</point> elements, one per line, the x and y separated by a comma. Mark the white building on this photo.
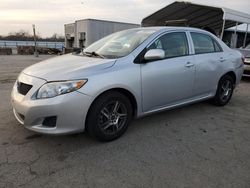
<point>82,33</point>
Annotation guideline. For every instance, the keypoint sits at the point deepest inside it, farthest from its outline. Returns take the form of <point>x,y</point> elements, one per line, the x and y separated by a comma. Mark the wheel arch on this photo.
<point>232,74</point>
<point>217,98</point>
<point>123,91</point>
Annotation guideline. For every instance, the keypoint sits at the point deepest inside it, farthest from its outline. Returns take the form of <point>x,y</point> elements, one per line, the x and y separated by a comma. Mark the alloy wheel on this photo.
<point>112,117</point>
<point>226,90</point>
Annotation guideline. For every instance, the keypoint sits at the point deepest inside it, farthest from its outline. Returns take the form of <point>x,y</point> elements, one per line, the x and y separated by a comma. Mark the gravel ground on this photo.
<point>195,146</point>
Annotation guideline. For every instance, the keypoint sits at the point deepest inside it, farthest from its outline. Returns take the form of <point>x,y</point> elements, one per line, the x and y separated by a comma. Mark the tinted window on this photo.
<point>173,44</point>
<point>204,44</point>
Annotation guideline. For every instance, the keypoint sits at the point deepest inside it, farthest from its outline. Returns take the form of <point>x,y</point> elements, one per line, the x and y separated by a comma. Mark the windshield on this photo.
<point>118,44</point>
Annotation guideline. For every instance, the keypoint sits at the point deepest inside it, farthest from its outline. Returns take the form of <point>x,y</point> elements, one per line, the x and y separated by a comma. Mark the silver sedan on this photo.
<point>125,75</point>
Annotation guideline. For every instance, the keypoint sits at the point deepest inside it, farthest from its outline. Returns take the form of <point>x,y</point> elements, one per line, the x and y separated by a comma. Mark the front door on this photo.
<point>170,80</point>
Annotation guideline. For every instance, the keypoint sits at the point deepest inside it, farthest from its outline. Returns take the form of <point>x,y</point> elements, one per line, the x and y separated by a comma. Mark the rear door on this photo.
<point>168,81</point>
<point>209,59</point>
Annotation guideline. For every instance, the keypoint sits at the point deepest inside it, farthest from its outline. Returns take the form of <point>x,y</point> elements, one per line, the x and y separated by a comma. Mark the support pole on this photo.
<point>34,32</point>
<point>222,31</point>
<point>245,38</point>
<point>236,26</point>
<point>235,38</point>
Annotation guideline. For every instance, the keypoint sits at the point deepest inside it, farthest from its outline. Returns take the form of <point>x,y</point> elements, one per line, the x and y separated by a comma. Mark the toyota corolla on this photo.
<point>125,75</point>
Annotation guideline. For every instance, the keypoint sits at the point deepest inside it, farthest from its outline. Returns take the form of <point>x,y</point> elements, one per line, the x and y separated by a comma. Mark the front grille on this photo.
<point>23,88</point>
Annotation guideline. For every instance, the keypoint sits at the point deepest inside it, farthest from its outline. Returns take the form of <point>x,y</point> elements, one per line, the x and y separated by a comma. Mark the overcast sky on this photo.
<point>51,15</point>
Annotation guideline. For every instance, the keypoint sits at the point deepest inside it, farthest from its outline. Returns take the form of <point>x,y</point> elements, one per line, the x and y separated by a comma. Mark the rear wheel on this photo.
<point>109,116</point>
<point>224,91</point>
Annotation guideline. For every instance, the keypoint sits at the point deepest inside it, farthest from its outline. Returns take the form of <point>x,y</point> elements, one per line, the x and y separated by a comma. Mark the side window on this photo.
<point>173,44</point>
<point>217,47</point>
<point>204,44</point>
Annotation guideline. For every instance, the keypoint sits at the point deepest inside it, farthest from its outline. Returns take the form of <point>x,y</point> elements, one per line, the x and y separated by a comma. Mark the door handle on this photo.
<point>222,59</point>
<point>189,64</point>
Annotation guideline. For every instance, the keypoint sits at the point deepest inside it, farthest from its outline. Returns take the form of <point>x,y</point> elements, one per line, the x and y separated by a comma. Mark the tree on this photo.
<point>20,35</point>
<point>23,35</point>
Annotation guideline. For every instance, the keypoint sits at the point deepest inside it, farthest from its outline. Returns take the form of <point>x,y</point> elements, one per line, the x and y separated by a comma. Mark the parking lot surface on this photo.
<point>199,146</point>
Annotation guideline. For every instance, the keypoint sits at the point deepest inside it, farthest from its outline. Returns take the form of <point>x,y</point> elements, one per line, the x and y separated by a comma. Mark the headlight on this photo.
<point>53,89</point>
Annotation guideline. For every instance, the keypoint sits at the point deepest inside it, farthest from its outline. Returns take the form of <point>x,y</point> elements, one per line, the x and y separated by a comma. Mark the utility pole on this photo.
<point>34,32</point>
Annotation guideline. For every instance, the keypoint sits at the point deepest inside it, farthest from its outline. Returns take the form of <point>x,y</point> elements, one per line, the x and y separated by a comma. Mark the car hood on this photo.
<point>68,67</point>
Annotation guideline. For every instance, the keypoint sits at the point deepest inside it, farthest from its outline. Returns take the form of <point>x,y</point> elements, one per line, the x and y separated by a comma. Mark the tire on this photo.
<point>109,116</point>
<point>224,91</point>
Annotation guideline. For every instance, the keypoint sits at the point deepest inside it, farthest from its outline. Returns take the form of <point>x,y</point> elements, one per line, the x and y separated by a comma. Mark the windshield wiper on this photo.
<point>94,54</point>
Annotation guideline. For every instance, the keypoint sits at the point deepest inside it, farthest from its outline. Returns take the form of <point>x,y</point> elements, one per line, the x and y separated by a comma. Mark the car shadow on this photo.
<point>138,127</point>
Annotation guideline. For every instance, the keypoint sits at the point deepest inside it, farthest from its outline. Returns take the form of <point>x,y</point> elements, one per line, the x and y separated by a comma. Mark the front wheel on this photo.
<point>224,91</point>
<point>109,116</point>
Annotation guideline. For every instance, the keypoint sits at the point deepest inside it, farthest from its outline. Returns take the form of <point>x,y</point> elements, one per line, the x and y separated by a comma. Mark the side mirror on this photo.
<point>154,54</point>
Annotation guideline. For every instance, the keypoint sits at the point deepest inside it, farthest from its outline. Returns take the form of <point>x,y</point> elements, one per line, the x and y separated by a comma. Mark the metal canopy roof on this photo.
<point>196,15</point>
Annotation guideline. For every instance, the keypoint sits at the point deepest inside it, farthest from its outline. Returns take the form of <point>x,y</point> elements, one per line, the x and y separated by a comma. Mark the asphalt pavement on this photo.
<point>197,146</point>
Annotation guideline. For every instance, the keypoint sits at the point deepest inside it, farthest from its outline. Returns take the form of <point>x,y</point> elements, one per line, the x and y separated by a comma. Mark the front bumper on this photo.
<point>69,109</point>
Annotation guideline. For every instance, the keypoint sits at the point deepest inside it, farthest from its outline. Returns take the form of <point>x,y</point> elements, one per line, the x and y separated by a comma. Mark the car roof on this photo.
<point>170,28</point>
